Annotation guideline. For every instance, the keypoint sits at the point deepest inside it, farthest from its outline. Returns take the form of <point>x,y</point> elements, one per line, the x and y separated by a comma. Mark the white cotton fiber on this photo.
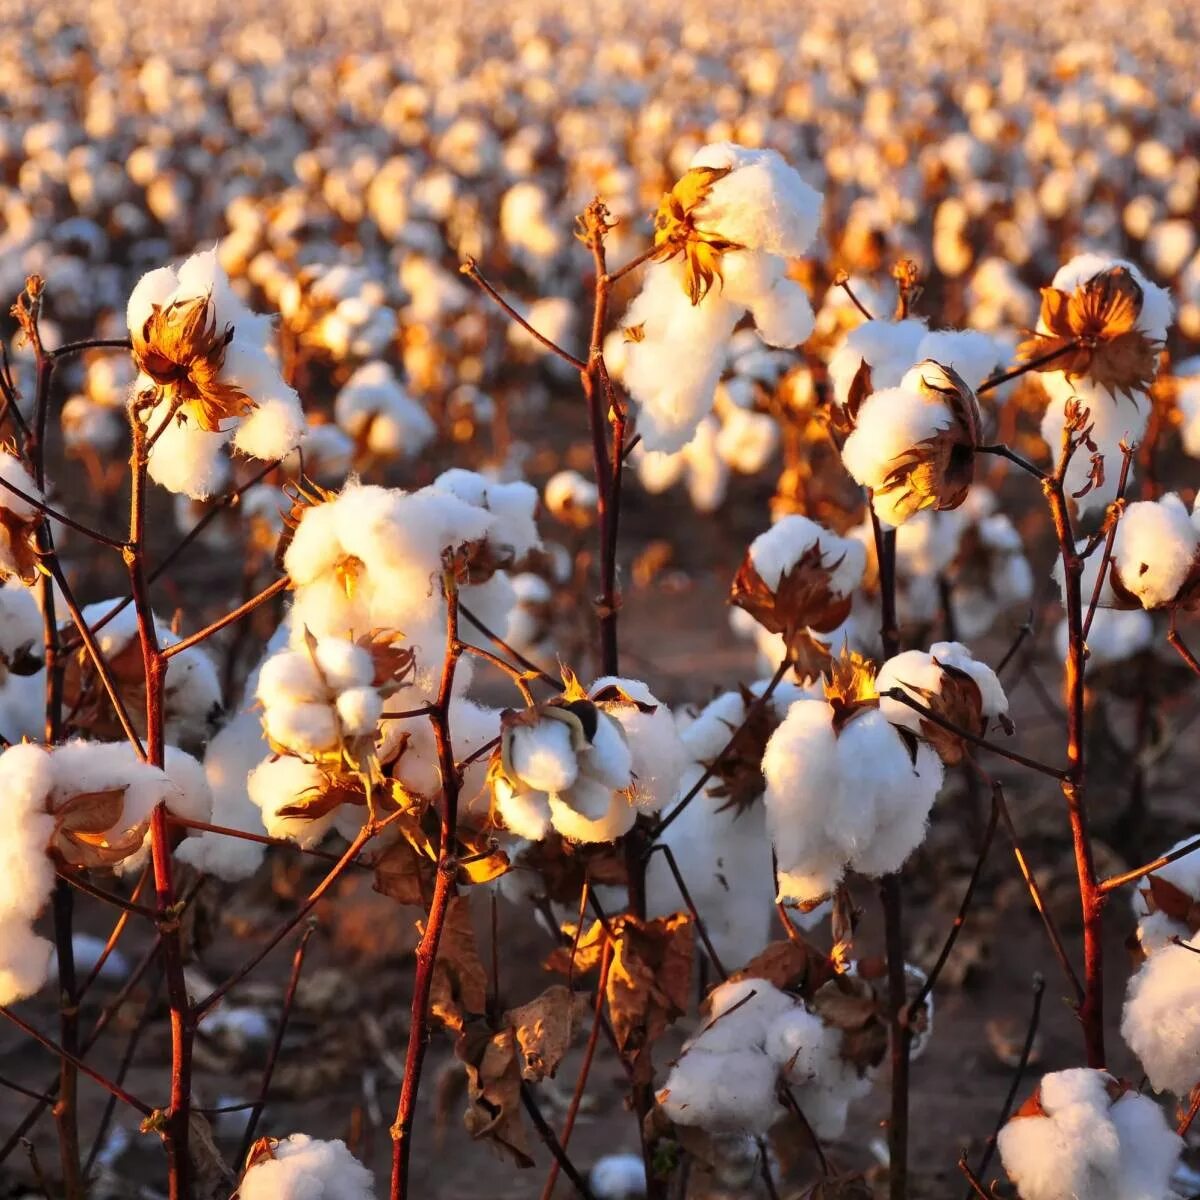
<point>1161,1018</point>
<point>1155,549</point>
<point>306,1168</point>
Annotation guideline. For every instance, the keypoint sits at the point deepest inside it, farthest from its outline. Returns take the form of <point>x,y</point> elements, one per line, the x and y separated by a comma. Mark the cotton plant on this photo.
<point>1155,555</point>
<point>585,763</point>
<point>1082,1133</point>
<point>914,445</point>
<point>371,558</point>
<point>756,1038</point>
<point>1107,322</point>
<point>83,805</point>
<point>846,789</point>
<point>724,235</point>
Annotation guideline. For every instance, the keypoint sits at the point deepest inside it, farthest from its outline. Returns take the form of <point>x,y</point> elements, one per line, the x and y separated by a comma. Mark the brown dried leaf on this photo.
<point>792,966</point>
<point>850,1004</point>
<point>544,1028</point>
<point>404,875</point>
<point>494,1090</point>
<point>85,833</point>
<point>649,981</point>
<point>459,988</point>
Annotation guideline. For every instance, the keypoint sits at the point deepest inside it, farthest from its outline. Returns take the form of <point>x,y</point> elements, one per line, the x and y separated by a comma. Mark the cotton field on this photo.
<point>599,600</point>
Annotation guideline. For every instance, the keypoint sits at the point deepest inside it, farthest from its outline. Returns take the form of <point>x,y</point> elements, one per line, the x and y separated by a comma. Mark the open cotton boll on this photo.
<point>374,408</point>
<point>974,355</point>
<point>890,424</point>
<point>762,203</point>
<point>1083,1143</point>
<point>780,307</point>
<point>186,459</point>
<point>1155,549</point>
<point>924,677</point>
<point>278,783</point>
<point>1157,307</point>
<point>513,507</point>
<point>525,813</point>
<point>672,371</point>
<point>747,440</point>
<point>834,799</point>
<point>306,1168</point>
<point>1161,1018</point>
<point>26,872</point>
<point>273,430</point>
<point>657,753</point>
<point>231,756</point>
<point>777,551</point>
<point>889,348</point>
<point>732,1091</point>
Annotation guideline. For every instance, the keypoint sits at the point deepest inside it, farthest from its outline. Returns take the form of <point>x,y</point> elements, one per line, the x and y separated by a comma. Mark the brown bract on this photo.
<point>803,598</point>
<point>84,830</point>
<point>850,1004</point>
<point>181,349</point>
<point>676,232</point>
<point>959,701</point>
<point>1095,327</point>
<point>20,535</point>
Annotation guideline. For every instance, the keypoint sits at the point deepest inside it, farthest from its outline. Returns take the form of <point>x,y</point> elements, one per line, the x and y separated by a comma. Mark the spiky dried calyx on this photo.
<point>1093,333</point>
<point>850,687</point>
<point>676,231</point>
<point>181,349</point>
<point>959,702</point>
<point>801,601</point>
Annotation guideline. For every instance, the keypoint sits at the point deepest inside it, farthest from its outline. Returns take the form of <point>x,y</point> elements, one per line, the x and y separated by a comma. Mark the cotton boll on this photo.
<point>672,371</point>
<point>1083,1143</point>
<point>343,664</point>
<point>591,812</point>
<point>513,507</point>
<point>975,356</point>
<point>1155,549</point>
<point>762,203</point>
<point>20,624</point>
<point>777,551</point>
<point>303,728</point>
<point>740,1014</point>
<point>890,423</point>
<point>722,1092</point>
<point>280,782</point>
<point>186,459</point>
<point>288,678</point>
<point>374,408</point>
<point>359,710</point>
<point>305,1168</point>
<point>1155,929</point>
<point>1161,1018</point>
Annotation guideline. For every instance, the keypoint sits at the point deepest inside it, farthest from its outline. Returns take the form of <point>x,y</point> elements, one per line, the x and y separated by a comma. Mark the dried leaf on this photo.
<point>404,875</point>
<point>86,832</point>
<point>544,1028</point>
<point>459,987</point>
<point>789,965</point>
<point>494,1090</point>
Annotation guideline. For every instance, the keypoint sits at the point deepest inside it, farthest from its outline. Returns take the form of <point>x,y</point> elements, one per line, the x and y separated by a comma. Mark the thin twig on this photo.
<point>1116,881</point>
